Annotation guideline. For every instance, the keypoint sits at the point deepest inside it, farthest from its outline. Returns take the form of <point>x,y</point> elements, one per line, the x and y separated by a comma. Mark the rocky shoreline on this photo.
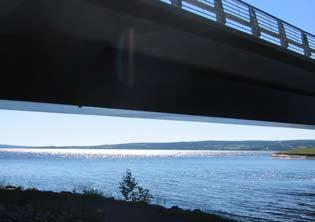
<point>17,205</point>
<point>293,156</point>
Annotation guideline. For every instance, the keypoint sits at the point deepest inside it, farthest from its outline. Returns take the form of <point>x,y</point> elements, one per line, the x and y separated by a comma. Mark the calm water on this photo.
<point>250,186</point>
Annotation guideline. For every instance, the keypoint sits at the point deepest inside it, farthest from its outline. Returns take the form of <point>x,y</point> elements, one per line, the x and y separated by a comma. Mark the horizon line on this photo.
<point>131,143</point>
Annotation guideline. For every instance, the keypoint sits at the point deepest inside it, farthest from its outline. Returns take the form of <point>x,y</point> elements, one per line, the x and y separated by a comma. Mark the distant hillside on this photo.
<point>10,146</point>
<point>201,145</point>
<point>222,145</point>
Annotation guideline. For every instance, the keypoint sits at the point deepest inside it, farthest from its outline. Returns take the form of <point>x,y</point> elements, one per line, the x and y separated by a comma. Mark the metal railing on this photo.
<point>244,17</point>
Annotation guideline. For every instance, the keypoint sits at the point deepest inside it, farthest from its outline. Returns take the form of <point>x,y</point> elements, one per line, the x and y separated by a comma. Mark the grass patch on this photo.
<point>302,151</point>
<point>307,151</point>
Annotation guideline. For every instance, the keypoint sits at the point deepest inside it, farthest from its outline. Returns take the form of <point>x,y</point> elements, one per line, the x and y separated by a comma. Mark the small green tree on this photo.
<point>131,191</point>
<point>127,185</point>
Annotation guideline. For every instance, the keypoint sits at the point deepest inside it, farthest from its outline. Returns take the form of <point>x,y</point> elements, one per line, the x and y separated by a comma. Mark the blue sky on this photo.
<point>32,128</point>
<point>297,12</point>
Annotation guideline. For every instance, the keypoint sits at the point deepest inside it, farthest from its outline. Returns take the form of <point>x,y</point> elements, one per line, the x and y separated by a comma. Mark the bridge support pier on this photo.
<point>282,35</point>
<point>177,3</point>
<point>306,46</point>
<point>254,22</point>
<point>219,11</point>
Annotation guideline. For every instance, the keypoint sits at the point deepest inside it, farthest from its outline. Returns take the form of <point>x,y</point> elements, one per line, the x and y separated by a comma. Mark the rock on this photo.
<point>175,208</point>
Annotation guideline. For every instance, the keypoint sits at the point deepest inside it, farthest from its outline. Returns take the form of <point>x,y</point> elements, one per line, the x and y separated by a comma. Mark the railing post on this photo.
<point>282,35</point>
<point>306,45</point>
<point>177,3</point>
<point>219,11</point>
<point>254,22</point>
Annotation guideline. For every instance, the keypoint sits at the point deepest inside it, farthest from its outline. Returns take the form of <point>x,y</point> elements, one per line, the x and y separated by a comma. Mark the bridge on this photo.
<point>210,58</point>
<point>249,19</point>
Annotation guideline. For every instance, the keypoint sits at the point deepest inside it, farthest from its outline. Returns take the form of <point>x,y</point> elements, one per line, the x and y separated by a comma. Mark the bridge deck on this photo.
<point>105,53</point>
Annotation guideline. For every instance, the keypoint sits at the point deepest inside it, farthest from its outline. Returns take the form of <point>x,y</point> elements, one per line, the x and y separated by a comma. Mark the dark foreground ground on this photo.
<point>36,206</point>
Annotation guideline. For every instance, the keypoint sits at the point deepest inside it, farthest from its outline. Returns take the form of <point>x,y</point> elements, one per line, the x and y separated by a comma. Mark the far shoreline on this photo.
<point>301,153</point>
<point>293,156</point>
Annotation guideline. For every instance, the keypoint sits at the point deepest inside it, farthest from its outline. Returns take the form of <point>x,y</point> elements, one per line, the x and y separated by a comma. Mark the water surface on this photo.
<point>250,186</point>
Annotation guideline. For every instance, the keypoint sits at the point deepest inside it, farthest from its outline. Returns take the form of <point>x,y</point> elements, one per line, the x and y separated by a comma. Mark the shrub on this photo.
<point>143,195</point>
<point>92,193</point>
<point>131,191</point>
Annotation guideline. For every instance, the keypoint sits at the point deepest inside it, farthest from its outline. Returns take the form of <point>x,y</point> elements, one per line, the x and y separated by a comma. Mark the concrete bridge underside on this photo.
<point>145,55</point>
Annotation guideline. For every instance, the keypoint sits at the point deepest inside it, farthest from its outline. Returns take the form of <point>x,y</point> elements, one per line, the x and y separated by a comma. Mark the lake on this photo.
<point>248,186</point>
